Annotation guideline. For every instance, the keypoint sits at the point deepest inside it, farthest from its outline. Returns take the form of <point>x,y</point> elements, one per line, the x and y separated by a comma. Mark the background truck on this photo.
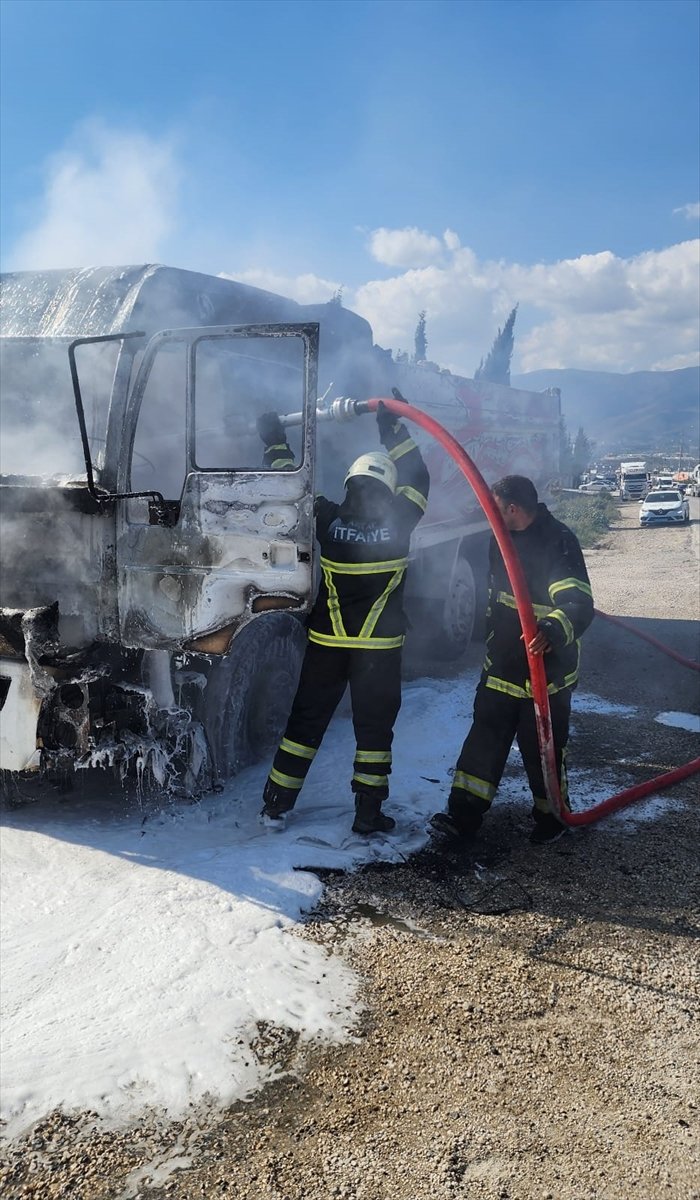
<point>155,577</point>
<point>694,482</point>
<point>634,480</point>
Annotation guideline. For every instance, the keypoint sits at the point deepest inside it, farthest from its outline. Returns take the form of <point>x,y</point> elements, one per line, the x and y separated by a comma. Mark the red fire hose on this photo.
<point>529,626</point>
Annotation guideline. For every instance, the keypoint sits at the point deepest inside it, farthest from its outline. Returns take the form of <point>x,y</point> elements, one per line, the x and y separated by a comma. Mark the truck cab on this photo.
<point>138,526</point>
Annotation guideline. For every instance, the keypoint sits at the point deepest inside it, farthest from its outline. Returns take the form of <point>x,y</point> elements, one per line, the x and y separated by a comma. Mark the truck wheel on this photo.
<point>455,622</point>
<point>250,691</point>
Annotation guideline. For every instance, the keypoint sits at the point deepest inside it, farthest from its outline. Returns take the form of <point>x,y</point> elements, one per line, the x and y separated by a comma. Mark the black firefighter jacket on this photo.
<point>561,598</point>
<point>359,604</point>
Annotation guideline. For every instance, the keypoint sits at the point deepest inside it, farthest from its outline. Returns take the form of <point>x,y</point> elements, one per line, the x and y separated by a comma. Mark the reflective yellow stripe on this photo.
<point>572,677</point>
<point>471,783</point>
<point>540,610</point>
<point>411,494</point>
<point>564,783</point>
<point>561,585</point>
<point>371,780</point>
<point>543,805</point>
<point>355,643</point>
<point>297,748</point>
<point>508,689</point>
<point>557,615</point>
<point>373,756</point>
<point>282,462</point>
<point>333,603</point>
<point>288,781</point>
<point>525,693</point>
<point>279,446</point>
<point>375,612</point>
<point>370,568</point>
<point>404,447</point>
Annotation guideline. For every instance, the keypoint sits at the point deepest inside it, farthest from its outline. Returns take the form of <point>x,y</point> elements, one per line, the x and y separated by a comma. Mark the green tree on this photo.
<point>420,341</point>
<point>581,454</point>
<point>496,368</point>
<point>566,454</point>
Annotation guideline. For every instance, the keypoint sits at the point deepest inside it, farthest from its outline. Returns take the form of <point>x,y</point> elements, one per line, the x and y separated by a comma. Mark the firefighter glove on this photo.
<point>397,396</point>
<point>387,423</point>
<point>271,429</point>
<point>553,631</point>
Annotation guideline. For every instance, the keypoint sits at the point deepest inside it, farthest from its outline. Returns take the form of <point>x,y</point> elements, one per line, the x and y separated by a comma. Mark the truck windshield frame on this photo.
<point>39,408</point>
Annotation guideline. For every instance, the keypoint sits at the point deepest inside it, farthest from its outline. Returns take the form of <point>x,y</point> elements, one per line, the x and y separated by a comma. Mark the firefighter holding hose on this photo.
<point>504,710</point>
<point>356,627</point>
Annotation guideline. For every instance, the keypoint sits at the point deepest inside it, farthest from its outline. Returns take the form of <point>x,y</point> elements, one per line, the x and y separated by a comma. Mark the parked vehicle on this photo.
<point>681,480</point>
<point>667,507</point>
<point>634,480</point>
<point>596,485</point>
<point>155,577</point>
<point>694,482</point>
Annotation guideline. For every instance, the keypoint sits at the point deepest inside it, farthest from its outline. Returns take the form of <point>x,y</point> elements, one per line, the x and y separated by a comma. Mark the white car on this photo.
<point>595,485</point>
<point>664,507</point>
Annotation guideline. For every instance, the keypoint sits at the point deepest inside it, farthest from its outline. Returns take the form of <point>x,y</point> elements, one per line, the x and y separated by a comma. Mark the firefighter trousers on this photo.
<point>498,719</point>
<point>375,691</point>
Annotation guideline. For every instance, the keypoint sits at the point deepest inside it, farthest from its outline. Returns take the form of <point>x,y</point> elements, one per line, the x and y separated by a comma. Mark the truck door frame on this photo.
<point>241,541</point>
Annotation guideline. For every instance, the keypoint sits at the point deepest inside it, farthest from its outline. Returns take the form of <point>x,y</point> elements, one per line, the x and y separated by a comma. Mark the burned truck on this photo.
<point>155,577</point>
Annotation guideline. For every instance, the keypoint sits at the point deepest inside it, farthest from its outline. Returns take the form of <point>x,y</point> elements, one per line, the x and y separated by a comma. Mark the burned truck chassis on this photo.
<point>98,708</point>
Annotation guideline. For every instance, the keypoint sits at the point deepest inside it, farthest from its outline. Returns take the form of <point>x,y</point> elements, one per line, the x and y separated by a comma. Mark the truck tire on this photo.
<point>249,692</point>
<point>455,621</point>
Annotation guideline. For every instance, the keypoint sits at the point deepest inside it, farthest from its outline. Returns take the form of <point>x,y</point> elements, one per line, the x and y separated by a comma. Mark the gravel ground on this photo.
<point>530,1023</point>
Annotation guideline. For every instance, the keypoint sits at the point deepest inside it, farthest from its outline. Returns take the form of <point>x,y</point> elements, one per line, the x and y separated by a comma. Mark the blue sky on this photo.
<point>457,157</point>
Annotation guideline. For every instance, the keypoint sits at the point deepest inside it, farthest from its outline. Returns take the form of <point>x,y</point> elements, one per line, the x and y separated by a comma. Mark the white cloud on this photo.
<point>110,197</point>
<point>597,311</point>
<point>307,289</point>
<point>409,247</point>
<point>690,211</point>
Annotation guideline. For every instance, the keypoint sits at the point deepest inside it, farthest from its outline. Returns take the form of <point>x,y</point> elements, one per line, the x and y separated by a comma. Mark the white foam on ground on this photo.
<point>139,955</point>
<point>679,720</point>
<point>589,702</point>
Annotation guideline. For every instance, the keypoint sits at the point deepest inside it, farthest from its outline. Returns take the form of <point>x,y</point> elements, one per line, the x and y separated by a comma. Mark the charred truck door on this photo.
<point>230,540</point>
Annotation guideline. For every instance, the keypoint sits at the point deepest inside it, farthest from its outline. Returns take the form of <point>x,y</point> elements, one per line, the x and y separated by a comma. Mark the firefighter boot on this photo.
<point>369,817</point>
<point>547,828</point>
<point>277,803</point>
<point>462,820</point>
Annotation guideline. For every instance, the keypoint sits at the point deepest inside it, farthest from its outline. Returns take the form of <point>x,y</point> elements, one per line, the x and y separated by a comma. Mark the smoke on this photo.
<point>109,197</point>
<point>306,289</point>
<point>40,432</point>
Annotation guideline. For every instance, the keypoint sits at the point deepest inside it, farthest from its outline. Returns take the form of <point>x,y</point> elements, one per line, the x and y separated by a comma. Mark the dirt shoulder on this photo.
<point>531,1014</point>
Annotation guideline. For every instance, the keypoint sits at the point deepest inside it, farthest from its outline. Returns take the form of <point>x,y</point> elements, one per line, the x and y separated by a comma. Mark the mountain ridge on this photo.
<point>650,410</point>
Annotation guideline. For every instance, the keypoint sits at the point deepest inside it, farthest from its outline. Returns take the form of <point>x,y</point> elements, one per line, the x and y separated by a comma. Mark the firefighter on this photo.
<point>356,627</point>
<point>560,591</point>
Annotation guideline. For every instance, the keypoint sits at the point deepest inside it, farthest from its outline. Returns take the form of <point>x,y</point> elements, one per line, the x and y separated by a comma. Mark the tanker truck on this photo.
<point>155,576</point>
